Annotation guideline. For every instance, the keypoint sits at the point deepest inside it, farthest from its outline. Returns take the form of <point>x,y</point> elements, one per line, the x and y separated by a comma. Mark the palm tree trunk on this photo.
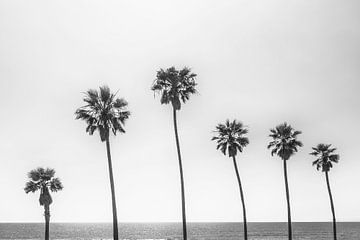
<point>181,177</point>
<point>288,201</point>
<point>115,222</point>
<point>47,221</point>
<point>332,204</point>
<point>242,198</point>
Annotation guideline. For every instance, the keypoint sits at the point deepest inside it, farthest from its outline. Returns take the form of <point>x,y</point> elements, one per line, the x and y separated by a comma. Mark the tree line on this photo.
<point>104,112</point>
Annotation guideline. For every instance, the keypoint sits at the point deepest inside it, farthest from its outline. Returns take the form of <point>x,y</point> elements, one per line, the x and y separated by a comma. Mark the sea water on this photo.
<point>173,231</point>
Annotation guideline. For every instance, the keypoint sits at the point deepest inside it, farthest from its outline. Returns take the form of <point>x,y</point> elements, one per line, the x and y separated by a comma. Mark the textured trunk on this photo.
<point>181,177</point>
<point>288,201</point>
<point>242,198</point>
<point>115,222</point>
<point>332,204</point>
<point>47,221</point>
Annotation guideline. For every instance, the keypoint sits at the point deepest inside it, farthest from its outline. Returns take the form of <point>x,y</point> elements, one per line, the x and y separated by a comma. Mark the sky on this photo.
<point>261,62</point>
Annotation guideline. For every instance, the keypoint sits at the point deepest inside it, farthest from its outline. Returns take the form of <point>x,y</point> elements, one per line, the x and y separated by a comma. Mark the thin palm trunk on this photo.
<point>181,177</point>
<point>115,222</point>
<point>47,221</point>
<point>288,201</point>
<point>242,199</point>
<point>332,204</point>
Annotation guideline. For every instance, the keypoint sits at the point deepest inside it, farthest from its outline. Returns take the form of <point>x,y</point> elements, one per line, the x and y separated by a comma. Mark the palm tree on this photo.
<point>175,86</point>
<point>230,140</point>
<point>105,113</point>
<point>325,159</point>
<point>284,144</point>
<point>43,180</point>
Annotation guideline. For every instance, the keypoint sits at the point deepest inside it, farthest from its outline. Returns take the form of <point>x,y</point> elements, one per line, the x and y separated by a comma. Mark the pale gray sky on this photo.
<point>262,62</point>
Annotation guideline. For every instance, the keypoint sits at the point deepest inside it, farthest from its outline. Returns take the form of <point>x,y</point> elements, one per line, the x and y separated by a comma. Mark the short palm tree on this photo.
<point>285,144</point>
<point>325,157</point>
<point>44,180</point>
<point>231,139</point>
<point>105,113</point>
<point>176,86</point>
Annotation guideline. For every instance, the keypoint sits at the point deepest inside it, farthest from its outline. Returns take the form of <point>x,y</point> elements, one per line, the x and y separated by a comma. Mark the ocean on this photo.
<point>172,231</point>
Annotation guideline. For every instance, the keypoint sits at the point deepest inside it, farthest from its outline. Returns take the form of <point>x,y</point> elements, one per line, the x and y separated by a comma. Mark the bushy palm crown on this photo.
<point>231,137</point>
<point>103,112</point>
<point>284,141</point>
<point>43,180</point>
<point>325,157</point>
<point>174,85</point>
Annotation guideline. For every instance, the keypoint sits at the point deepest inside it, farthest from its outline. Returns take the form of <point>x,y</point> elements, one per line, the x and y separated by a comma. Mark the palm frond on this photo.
<point>105,94</point>
<point>103,112</point>
<point>49,173</point>
<point>43,179</point>
<point>284,141</point>
<point>231,137</point>
<point>120,103</point>
<point>334,158</point>
<point>31,187</point>
<point>174,85</point>
<point>35,174</point>
<point>325,155</point>
<point>56,185</point>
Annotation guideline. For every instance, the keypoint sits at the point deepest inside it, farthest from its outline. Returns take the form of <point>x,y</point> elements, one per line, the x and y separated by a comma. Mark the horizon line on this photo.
<point>358,221</point>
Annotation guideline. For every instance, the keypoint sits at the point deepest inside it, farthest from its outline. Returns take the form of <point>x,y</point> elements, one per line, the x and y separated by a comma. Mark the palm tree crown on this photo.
<point>103,112</point>
<point>174,85</point>
<point>325,157</point>
<point>231,137</point>
<point>43,179</point>
<point>284,141</point>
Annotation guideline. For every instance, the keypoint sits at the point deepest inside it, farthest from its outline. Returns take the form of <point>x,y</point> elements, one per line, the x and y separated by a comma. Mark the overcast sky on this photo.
<point>261,62</point>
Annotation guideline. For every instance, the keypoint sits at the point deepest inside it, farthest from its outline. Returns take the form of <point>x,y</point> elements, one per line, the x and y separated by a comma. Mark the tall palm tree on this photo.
<point>285,144</point>
<point>230,140</point>
<point>325,157</point>
<point>175,86</point>
<point>105,113</point>
<point>44,180</point>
